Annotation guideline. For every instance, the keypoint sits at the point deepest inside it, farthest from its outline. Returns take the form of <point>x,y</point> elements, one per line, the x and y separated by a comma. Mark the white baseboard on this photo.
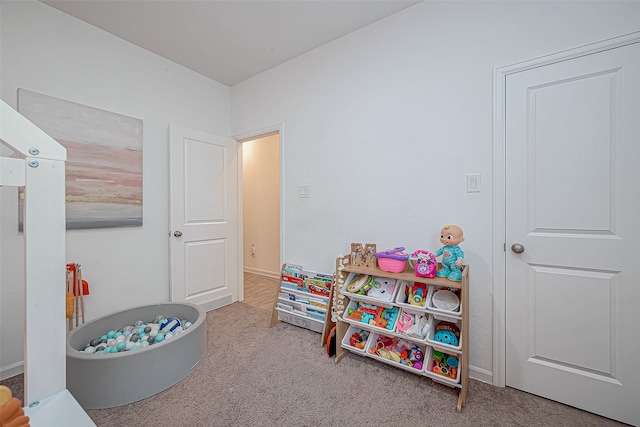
<point>273,275</point>
<point>11,370</point>
<point>481,374</point>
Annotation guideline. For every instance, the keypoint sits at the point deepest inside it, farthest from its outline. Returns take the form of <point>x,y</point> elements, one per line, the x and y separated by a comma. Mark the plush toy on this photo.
<point>452,255</point>
<point>11,412</point>
<point>416,357</point>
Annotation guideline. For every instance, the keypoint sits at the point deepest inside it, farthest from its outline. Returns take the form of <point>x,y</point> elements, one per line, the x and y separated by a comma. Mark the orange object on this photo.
<point>85,288</point>
<point>70,306</point>
<point>11,412</point>
<point>76,289</point>
<point>75,268</point>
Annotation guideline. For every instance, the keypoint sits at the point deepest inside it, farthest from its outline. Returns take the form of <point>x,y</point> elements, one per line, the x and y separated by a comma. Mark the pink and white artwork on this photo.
<point>104,160</point>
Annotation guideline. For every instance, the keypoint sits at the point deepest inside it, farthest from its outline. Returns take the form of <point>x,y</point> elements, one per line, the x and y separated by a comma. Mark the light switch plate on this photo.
<point>303,192</point>
<point>473,183</point>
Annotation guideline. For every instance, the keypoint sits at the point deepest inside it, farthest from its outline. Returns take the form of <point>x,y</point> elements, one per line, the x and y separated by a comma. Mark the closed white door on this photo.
<point>573,232</point>
<point>204,218</point>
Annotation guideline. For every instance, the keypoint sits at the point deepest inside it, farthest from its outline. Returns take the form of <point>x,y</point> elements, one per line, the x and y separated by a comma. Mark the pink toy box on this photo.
<point>393,260</point>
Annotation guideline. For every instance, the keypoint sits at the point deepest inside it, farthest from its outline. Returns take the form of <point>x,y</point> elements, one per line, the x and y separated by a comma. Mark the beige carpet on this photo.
<point>255,376</point>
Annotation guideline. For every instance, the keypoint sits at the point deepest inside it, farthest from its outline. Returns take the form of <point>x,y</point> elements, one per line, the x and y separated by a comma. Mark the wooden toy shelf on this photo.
<point>344,267</point>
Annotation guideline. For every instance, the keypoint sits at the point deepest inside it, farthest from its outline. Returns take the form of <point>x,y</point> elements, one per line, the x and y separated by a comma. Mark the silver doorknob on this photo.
<point>517,248</point>
<point>178,233</point>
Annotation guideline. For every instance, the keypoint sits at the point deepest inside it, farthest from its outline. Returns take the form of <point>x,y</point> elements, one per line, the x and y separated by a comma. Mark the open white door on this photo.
<point>204,218</point>
<point>572,232</point>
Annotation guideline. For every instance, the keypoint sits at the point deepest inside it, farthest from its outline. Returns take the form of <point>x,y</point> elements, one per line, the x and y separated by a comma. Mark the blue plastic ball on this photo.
<point>446,337</point>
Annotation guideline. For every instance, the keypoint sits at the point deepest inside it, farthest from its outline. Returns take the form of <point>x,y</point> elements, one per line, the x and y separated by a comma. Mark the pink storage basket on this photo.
<point>393,260</point>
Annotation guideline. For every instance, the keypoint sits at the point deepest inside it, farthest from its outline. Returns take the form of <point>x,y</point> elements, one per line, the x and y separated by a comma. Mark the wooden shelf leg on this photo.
<point>341,330</point>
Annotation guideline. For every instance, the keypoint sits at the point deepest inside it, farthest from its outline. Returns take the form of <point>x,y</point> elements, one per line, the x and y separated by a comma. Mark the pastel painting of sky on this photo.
<point>104,159</point>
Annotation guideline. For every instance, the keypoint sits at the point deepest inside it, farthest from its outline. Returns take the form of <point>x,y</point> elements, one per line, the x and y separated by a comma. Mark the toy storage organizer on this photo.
<point>302,298</point>
<point>378,317</point>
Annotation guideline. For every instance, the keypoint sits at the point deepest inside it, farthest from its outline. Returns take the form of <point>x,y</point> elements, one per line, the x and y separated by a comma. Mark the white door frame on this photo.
<point>499,185</point>
<point>248,137</point>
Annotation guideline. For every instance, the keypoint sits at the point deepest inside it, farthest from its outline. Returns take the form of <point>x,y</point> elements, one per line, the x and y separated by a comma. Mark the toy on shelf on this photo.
<point>417,294</point>
<point>452,255</point>
<point>363,256</point>
<point>447,333</point>
<point>405,321</point>
<point>399,351</point>
<point>413,325</point>
<point>359,339</point>
<point>392,260</point>
<point>424,263</point>
<point>356,282</point>
<point>446,299</point>
<point>444,364</point>
<point>383,289</point>
<point>369,314</point>
<point>379,288</point>
<point>412,293</point>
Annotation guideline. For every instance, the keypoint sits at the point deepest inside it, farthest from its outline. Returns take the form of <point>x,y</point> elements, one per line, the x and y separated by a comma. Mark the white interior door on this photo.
<point>572,203</point>
<point>204,218</point>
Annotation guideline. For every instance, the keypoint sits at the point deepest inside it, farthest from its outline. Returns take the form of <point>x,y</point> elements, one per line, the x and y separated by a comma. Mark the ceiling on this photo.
<point>230,41</point>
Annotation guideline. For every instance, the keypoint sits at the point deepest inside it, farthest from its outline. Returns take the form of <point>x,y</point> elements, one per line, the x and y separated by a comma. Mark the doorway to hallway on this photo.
<point>261,203</point>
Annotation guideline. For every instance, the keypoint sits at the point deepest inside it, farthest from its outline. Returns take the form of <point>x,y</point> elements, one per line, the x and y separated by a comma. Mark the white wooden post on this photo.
<point>41,172</point>
<point>45,326</point>
<point>42,175</point>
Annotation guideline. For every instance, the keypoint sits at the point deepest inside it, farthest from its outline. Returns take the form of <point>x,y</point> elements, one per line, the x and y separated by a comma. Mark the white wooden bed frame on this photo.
<point>41,170</point>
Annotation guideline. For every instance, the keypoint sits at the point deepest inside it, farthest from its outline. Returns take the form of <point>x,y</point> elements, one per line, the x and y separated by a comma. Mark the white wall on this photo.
<point>46,51</point>
<point>261,205</point>
<point>385,123</point>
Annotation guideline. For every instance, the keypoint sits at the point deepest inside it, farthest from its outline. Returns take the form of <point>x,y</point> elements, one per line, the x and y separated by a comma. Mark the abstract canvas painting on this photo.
<point>104,160</point>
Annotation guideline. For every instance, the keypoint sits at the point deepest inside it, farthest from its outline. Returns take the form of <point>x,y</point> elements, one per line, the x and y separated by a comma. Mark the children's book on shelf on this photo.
<point>319,303</point>
<point>320,284</point>
<point>294,297</point>
<point>294,277</point>
<point>292,270</point>
<point>294,283</point>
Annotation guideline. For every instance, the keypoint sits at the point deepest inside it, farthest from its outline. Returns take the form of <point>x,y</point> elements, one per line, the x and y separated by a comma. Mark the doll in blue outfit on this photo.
<point>452,255</point>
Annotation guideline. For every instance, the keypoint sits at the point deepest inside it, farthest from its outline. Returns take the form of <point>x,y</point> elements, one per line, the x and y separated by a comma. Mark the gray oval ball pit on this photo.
<point>100,381</point>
